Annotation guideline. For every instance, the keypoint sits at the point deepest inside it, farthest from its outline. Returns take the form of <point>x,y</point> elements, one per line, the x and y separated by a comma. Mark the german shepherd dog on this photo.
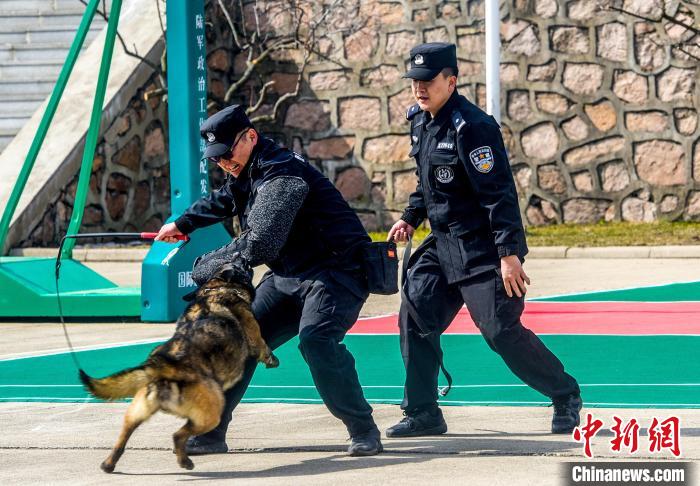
<point>187,375</point>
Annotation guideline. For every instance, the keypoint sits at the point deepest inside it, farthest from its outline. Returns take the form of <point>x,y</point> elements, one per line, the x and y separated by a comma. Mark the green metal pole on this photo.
<point>166,277</point>
<point>46,119</point>
<point>94,130</point>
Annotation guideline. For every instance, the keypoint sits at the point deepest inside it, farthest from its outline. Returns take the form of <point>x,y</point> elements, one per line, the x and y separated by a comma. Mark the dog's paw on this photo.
<point>272,361</point>
<point>187,463</point>
<point>107,467</point>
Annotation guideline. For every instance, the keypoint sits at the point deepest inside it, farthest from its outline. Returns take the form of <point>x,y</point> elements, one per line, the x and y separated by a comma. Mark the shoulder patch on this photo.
<point>412,111</point>
<point>458,120</point>
<point>482,159</point>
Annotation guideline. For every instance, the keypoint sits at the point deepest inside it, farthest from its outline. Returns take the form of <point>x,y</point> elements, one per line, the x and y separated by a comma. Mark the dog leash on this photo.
<point>423,329</point>
<point>141,236</point>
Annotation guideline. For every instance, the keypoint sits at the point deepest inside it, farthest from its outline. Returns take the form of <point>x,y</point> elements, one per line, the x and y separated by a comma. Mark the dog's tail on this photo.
<point>122,384</point>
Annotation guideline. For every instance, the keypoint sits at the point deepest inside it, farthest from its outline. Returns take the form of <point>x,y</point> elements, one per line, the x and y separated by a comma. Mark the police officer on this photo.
<point>474,253</point>
<point>296,222</point>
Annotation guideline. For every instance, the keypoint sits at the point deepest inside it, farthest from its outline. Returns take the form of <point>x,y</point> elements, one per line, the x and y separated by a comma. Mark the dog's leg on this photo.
<point>140,410</point>
<point>259,348</point>
<point>202,406</point>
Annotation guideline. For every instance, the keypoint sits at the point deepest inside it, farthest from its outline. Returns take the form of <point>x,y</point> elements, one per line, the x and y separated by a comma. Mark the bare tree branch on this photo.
<point>252,64</point>
<point>275,109</point>
<point>681,47</point>
<point>261,98</point>
<point>664,16</point>
<point>231,25</point>
<point>299,26</point>
<point>121,40</point>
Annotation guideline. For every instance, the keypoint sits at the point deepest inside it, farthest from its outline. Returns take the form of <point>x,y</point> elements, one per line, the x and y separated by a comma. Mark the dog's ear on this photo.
<point>229,273</point>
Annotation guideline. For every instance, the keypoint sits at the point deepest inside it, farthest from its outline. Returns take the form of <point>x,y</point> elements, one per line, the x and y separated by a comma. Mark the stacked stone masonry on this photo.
<point>599,112</point>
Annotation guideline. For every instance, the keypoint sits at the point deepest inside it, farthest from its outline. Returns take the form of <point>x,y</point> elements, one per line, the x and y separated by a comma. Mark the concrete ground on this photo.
<point>302,444</point>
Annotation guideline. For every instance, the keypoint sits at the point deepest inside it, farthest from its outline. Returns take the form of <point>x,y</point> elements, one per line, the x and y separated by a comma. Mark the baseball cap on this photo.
<point>220,129</point>
<point>427,60</point>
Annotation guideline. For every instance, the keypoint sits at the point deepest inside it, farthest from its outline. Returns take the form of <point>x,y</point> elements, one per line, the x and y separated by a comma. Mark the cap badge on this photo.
<point>418,60</point>
<point>210,137</point>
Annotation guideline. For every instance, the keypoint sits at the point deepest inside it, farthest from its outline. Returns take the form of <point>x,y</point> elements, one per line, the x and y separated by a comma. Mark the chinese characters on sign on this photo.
<point>662,435</point>
<point>201,85</point>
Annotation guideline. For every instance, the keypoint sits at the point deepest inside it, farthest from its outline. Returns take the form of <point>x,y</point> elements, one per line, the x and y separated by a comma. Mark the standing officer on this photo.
<point>295,221</point>
<point>474,253</point>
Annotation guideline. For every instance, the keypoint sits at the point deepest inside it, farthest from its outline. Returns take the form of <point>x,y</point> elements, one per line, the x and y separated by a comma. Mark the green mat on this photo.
<point>676,292</point>
<point>614,371</point>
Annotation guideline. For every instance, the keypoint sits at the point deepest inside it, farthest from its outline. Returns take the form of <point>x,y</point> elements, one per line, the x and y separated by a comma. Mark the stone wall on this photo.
<point>603,114</point>
<point>129,185</point>
<point>600,116</point>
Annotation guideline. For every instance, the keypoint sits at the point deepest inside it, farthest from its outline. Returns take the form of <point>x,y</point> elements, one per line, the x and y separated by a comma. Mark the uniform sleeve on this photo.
<point>271,217</point>
<point>415,212</point>
<point>483,153</point>
<point>215,207</point>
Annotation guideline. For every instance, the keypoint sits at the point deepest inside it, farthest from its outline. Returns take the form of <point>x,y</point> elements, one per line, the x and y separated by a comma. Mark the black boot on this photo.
<point>566,414</point>
<point>416,424</point>
<point>367,444</point>
<point>200,445</point>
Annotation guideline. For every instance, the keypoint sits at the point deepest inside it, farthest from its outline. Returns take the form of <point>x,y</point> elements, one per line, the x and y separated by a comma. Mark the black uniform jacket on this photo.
<point>465,189</point>
<point>325,232</point>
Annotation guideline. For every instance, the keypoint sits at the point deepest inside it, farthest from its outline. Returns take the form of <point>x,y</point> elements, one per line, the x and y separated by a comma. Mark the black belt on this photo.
<point>423,330</point>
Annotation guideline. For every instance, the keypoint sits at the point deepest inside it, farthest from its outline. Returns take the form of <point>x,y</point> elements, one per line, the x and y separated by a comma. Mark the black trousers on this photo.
<point>321,310</point>
<point>496,315</point>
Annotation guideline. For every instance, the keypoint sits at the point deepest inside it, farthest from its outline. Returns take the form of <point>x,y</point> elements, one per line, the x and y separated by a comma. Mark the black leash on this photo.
<point>423,330</point>
<point>140,236</point>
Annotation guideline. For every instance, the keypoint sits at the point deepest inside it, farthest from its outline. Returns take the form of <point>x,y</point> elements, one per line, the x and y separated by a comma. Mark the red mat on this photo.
<point>626,318</point>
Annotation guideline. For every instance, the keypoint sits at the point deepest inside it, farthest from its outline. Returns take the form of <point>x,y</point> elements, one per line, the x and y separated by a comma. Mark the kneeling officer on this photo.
<point>296,222</point>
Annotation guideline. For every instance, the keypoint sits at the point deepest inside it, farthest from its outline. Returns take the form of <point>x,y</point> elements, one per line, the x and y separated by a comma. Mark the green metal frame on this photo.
<point>166,277</point>
<point>38,141</point>
<point>27,283</point>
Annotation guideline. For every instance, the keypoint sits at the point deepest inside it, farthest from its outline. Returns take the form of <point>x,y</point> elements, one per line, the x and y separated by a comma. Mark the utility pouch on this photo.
<point>381,264</point>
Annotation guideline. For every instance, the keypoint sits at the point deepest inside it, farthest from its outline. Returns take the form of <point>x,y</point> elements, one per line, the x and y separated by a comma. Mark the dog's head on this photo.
<point>238,275</point>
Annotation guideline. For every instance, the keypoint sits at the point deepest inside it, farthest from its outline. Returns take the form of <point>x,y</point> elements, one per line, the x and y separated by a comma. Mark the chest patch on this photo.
<point>444,174</point>
<point>482,159</point>
<point>445,146</point>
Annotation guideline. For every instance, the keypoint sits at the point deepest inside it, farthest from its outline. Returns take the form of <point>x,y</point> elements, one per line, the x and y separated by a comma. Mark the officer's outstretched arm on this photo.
<point>210,209</point>
<point>484,156</point>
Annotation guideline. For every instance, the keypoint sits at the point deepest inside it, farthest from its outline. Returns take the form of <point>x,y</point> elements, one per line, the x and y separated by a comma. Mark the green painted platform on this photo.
<point>29,290</point>
<point>649,371</point>
<point>615,371</point>
<point>675,292</point>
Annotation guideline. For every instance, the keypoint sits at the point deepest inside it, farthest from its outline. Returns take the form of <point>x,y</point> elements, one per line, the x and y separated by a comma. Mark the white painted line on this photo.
<point>388,400</point>
<point>484,402</point>
<point>48,399</point>
<point>506,385</point>
<point>53,352</point>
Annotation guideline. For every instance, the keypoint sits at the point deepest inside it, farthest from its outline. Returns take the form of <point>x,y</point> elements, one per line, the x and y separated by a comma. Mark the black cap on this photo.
<point>220,130</point>
<point>427,60</point>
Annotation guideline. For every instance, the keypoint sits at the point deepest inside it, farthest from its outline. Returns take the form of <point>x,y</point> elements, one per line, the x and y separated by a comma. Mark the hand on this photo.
<point>401,231</point>
<point>514,277</point>
<point>168,232</point>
